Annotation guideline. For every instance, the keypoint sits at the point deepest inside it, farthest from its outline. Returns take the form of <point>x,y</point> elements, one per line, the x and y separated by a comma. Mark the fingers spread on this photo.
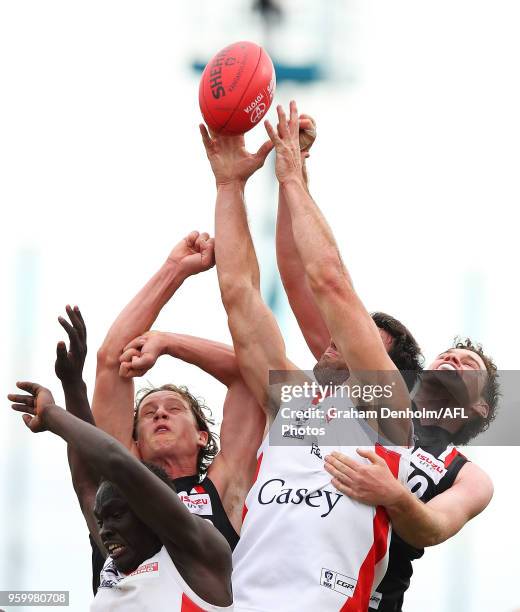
<point>293,119</point>
<point>30,387</point>
<point>26,400</point>
<point>264,150</point>
<point>283,128</point>
<point>206,138</point>
<point>275,139</point>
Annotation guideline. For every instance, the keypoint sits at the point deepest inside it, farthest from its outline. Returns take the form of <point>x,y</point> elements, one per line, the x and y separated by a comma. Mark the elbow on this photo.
<point>116,462</point>
<point>108,356</point>
<point>235,291</point>
<point>328,276</point>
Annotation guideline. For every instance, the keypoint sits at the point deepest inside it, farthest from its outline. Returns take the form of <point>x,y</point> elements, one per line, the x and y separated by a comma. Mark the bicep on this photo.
<point>241,434</point>
<point>258,343</point>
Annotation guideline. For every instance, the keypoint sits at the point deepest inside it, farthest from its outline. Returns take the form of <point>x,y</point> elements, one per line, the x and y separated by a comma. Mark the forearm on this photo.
<point>316,244</point>
<point>215,358</point>
<point>76,400</point>
<point>415,522</point>
<point>139,315</point>
<point>235,255</point>
<point>152,500</point>
<point>294,280</point>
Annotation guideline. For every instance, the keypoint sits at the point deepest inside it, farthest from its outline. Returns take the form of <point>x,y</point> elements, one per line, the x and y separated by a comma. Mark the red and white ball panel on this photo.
<point>237,88</point>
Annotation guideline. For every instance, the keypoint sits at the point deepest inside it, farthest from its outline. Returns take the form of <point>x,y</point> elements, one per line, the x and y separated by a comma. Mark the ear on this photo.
<point>203,438</point>
<point>481,408</point>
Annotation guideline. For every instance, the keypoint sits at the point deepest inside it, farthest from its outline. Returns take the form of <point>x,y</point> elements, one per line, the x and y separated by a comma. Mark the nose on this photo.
<point>106,532</point>
<point>452,358</point>
<point>160,413</point>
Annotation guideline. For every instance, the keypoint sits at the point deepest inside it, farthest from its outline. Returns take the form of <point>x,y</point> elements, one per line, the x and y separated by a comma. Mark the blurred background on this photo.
<point>102,172</point>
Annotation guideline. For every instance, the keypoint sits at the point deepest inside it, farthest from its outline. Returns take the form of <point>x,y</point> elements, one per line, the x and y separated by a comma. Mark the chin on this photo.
<point>330,373</point>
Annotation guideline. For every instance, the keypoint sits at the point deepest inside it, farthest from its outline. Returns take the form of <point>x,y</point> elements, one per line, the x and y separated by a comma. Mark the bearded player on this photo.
<point>451,489</point>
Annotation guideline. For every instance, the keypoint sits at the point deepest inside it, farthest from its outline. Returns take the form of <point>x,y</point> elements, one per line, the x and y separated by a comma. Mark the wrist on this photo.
<point>175,270</point>
<point>399,500</point>
<point>71,385</point>
<point>294,180</point>
<point>235,184</point>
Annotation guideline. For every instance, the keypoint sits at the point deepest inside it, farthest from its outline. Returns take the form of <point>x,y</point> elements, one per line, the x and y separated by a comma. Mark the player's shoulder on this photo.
<point>474,476</point>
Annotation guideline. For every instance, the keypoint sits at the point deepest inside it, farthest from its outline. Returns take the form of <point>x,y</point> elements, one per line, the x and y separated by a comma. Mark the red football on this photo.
<point>236,88</point>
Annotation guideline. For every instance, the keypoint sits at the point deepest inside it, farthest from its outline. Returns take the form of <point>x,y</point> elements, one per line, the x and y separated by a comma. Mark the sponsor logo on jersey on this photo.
<point>375,600</point>
<point>197,503</point>
<point>338,582</point>
<point>430,465</point>
<point>146,568</point>
<point>315,450</point>
<point>273,491</point>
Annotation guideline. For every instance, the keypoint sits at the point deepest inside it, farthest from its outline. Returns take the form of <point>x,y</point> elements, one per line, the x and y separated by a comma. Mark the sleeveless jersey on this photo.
<point>304,546</point>
<point>155,586</point>
<point>200,498</point>
<point>434,466</point>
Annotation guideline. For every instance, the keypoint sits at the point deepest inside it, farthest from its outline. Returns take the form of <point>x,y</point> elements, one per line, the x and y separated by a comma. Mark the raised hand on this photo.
<point>229,159</point>
<point>195,253</point>
<point>69,364</point>
<point>287,144</point>
<point>141,354</point>
<point>34,405</point>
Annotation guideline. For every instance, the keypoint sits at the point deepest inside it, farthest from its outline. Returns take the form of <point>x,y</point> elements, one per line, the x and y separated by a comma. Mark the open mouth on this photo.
<point>447,366</point>
<point>115,549</point>
<point>162,429</point>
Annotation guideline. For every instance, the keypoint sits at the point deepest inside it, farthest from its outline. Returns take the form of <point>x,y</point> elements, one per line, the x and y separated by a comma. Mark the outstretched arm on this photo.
<point>349,323</point>
<point>154,502</point>
<point>113,401</point>
<point>243,422</point>
<point>417,523</point>
<point>69,369</point>
<point>292,271</point>
<point>256,337</point>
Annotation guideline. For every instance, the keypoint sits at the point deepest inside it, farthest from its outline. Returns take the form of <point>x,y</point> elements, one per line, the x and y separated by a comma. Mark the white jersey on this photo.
<point>304,546</point>
<point>155,586</point>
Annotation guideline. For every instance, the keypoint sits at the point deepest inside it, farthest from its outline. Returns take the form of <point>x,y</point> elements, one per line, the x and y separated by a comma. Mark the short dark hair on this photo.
<point>405,352</point>
<point>156,469</point>
<point>202,415</point>
<point>490,394</point>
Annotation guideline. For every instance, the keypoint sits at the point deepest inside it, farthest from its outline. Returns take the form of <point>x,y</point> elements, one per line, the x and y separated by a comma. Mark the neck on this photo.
<point>176,467</point>
<point>434,400</point>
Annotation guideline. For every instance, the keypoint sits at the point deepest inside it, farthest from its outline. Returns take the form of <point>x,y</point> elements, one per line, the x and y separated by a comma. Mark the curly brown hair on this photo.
<point>490,394</point>
<point>202,415</point>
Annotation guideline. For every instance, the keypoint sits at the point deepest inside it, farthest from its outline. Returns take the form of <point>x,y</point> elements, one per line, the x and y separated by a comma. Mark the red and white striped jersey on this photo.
<point>155,586</point>
<point>304,546</point>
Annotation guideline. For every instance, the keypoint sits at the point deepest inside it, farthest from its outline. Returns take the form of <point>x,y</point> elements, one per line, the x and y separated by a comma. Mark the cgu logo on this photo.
<point>270,492</point>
